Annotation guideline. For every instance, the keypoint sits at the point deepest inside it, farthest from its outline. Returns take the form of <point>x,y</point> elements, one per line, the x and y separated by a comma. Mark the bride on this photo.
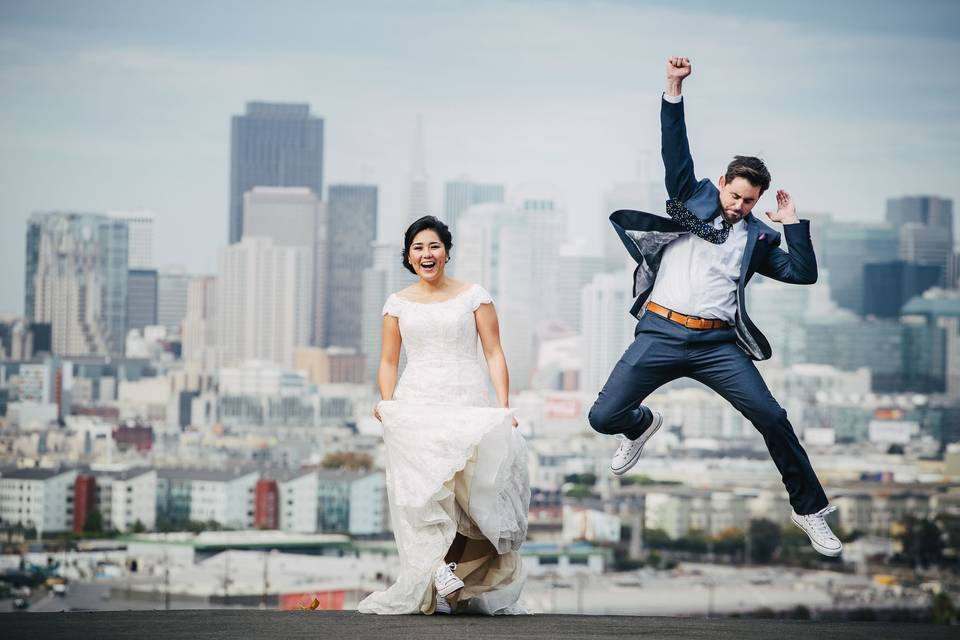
<point>457,477</point>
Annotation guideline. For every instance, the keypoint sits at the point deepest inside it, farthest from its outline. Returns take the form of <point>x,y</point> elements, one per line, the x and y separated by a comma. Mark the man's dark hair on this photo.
<point>750,169</point>
<point>426,222</point>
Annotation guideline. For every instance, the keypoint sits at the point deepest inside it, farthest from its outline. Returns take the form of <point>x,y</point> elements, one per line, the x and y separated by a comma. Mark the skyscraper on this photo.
<point>172,300</point>
<point>461,195</point>
<point>294,217</point>
<point>645,193</point>
<point>888,285</point>
<point>263,304</point>
<point>386,275</point>
<point>576,270</point>
<point>607,326</point>
<point>279,145</point>
<point>925,225</point>
<point>847,247</point>
<point>140,253</point>
<point>76,280</point>
<point>514,253</point>
<point>141,298</point>
<point>352,220</point>
<point>199,325</point>
<point>419,203</point>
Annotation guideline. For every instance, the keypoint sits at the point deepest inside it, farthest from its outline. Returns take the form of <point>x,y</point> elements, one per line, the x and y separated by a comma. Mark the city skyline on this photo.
<point>556,97</point>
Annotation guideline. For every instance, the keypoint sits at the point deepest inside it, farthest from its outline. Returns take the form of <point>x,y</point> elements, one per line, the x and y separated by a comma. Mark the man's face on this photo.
<point>737,198</point>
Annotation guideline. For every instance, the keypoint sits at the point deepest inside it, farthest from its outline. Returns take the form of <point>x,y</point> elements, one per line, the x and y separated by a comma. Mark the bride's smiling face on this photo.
<point>428,255</point>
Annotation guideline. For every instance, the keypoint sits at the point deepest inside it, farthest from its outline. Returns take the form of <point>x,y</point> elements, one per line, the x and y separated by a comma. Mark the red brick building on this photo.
<point>266,506</point>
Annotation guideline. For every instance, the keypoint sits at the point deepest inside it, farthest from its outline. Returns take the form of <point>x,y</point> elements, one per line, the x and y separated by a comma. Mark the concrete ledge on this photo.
<point>340,625</point>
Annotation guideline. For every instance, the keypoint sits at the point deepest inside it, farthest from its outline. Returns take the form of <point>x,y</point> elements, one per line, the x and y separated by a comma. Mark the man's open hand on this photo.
<point>786,211</point>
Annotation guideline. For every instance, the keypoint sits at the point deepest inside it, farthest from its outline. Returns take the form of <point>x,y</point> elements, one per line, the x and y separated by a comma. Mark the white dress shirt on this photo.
<point>699,278</point>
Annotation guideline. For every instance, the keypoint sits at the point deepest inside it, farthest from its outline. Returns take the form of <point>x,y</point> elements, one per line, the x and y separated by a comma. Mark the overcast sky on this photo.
<point>127,105</point>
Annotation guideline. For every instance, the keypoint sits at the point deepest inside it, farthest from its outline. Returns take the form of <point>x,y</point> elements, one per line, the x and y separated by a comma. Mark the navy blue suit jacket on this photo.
<point>646,234</point>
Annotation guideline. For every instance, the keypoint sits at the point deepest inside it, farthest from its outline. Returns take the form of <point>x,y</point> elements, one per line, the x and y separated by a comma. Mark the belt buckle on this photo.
<point>686,322</point>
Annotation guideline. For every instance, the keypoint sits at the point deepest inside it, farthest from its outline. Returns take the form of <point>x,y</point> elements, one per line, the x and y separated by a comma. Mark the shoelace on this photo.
<point>818,521</point>
<point>452,567</point>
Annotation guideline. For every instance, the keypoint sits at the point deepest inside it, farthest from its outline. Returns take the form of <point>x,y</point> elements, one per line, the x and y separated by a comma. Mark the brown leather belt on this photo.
<point>690,322</point>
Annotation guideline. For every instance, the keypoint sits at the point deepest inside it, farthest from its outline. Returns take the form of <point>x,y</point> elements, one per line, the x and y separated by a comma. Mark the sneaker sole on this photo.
<point>646,435</point>
<point>450,588</point>
<point>819,548</point>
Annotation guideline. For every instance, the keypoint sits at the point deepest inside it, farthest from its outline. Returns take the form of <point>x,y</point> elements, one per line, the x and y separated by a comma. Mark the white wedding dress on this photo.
<point>453,464</point>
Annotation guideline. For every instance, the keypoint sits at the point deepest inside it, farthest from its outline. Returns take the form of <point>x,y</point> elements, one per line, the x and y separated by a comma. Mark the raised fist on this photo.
<point>678,68</point>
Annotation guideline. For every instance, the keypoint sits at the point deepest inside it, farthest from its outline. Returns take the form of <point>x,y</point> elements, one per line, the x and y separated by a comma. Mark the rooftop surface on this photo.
<point>248,624</point>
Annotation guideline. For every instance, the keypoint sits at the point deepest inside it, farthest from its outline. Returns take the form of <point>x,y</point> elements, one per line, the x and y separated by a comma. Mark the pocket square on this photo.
<point>762,236</point>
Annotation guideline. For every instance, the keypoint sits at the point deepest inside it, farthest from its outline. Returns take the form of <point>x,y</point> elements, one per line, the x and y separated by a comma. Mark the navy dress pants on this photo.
<point>663,351</point>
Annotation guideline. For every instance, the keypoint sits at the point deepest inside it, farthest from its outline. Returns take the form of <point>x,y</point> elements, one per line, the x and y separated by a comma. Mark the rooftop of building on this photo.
<point>33,473</point>
<point>254,624</point>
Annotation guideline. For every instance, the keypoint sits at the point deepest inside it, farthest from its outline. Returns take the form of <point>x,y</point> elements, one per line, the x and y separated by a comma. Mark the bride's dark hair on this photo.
<point>426,222</point>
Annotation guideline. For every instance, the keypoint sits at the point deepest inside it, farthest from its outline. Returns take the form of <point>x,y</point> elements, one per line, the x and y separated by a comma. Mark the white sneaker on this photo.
<point>443,606</point>
<point>445,581</point>
<point>817,529</point>
<point>629,450</point>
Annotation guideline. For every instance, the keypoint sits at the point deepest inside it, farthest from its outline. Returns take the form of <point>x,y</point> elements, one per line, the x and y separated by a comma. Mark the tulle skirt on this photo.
<point>453,468</point>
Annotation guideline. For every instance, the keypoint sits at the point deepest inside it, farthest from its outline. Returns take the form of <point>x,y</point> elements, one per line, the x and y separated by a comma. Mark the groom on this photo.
<point>692,270</point>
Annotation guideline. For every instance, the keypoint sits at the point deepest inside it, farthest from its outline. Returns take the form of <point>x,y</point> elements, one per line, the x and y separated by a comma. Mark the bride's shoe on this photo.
<point>443,606</point>
<point>445,581</point>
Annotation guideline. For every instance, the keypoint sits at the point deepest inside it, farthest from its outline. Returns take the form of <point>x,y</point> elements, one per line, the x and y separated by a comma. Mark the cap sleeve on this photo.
<point>392,306</point>
<point>479,296</point>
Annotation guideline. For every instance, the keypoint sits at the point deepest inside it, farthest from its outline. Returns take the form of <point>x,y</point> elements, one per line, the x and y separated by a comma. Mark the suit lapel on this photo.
<point>753,230</point>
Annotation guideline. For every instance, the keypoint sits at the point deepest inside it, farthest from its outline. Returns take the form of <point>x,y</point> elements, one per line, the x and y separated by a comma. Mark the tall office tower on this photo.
<point>925,224</point>
<point>199,325</point>
<point>887,286</point>
<point>352,224</point>
<point>846,249</point>
<point>645,193</point>
<point>419,203</point>
<point>607,326</point>
<point>938,311</point>
<point>172,300</point>
<point>387,275</point>
<point>273,145</point>
<point>576,270</point>
<point>925,210</point>
<point>293,217</point>
<point>461,195</point>
<point>141,298</point>
<point>514,253</point>
<point>263,304</point>
<point>76,280</point>
<point>139,237</point>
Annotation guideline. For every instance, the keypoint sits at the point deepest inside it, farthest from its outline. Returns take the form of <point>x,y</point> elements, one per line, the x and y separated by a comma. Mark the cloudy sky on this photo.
<point>126,105</point>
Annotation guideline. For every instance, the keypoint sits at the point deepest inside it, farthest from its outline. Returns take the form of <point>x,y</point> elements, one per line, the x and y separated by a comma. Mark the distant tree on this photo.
<point>138,527</point>
<point>588,479</point>
<point>93,524</point>
<point>942,610</point>
<point>347,460</point>
<point>921,541</point>
<point>764,540</point>
<point>799,612</point>
<point>579,491</point>
<point>656,539</point>
<point>730,540</point>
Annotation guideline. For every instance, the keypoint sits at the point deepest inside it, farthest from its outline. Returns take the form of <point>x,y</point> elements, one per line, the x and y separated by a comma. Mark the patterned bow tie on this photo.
<point>689,221</point>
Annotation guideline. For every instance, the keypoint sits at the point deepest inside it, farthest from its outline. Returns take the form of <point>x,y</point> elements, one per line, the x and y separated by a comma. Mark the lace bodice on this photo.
<point>440,341</point>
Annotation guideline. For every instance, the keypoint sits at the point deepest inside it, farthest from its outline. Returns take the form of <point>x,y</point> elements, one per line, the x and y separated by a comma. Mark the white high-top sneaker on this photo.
<point>442,606</point>
<point>445,581</point>
<point>816,527</point>
<point>629,450</point>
